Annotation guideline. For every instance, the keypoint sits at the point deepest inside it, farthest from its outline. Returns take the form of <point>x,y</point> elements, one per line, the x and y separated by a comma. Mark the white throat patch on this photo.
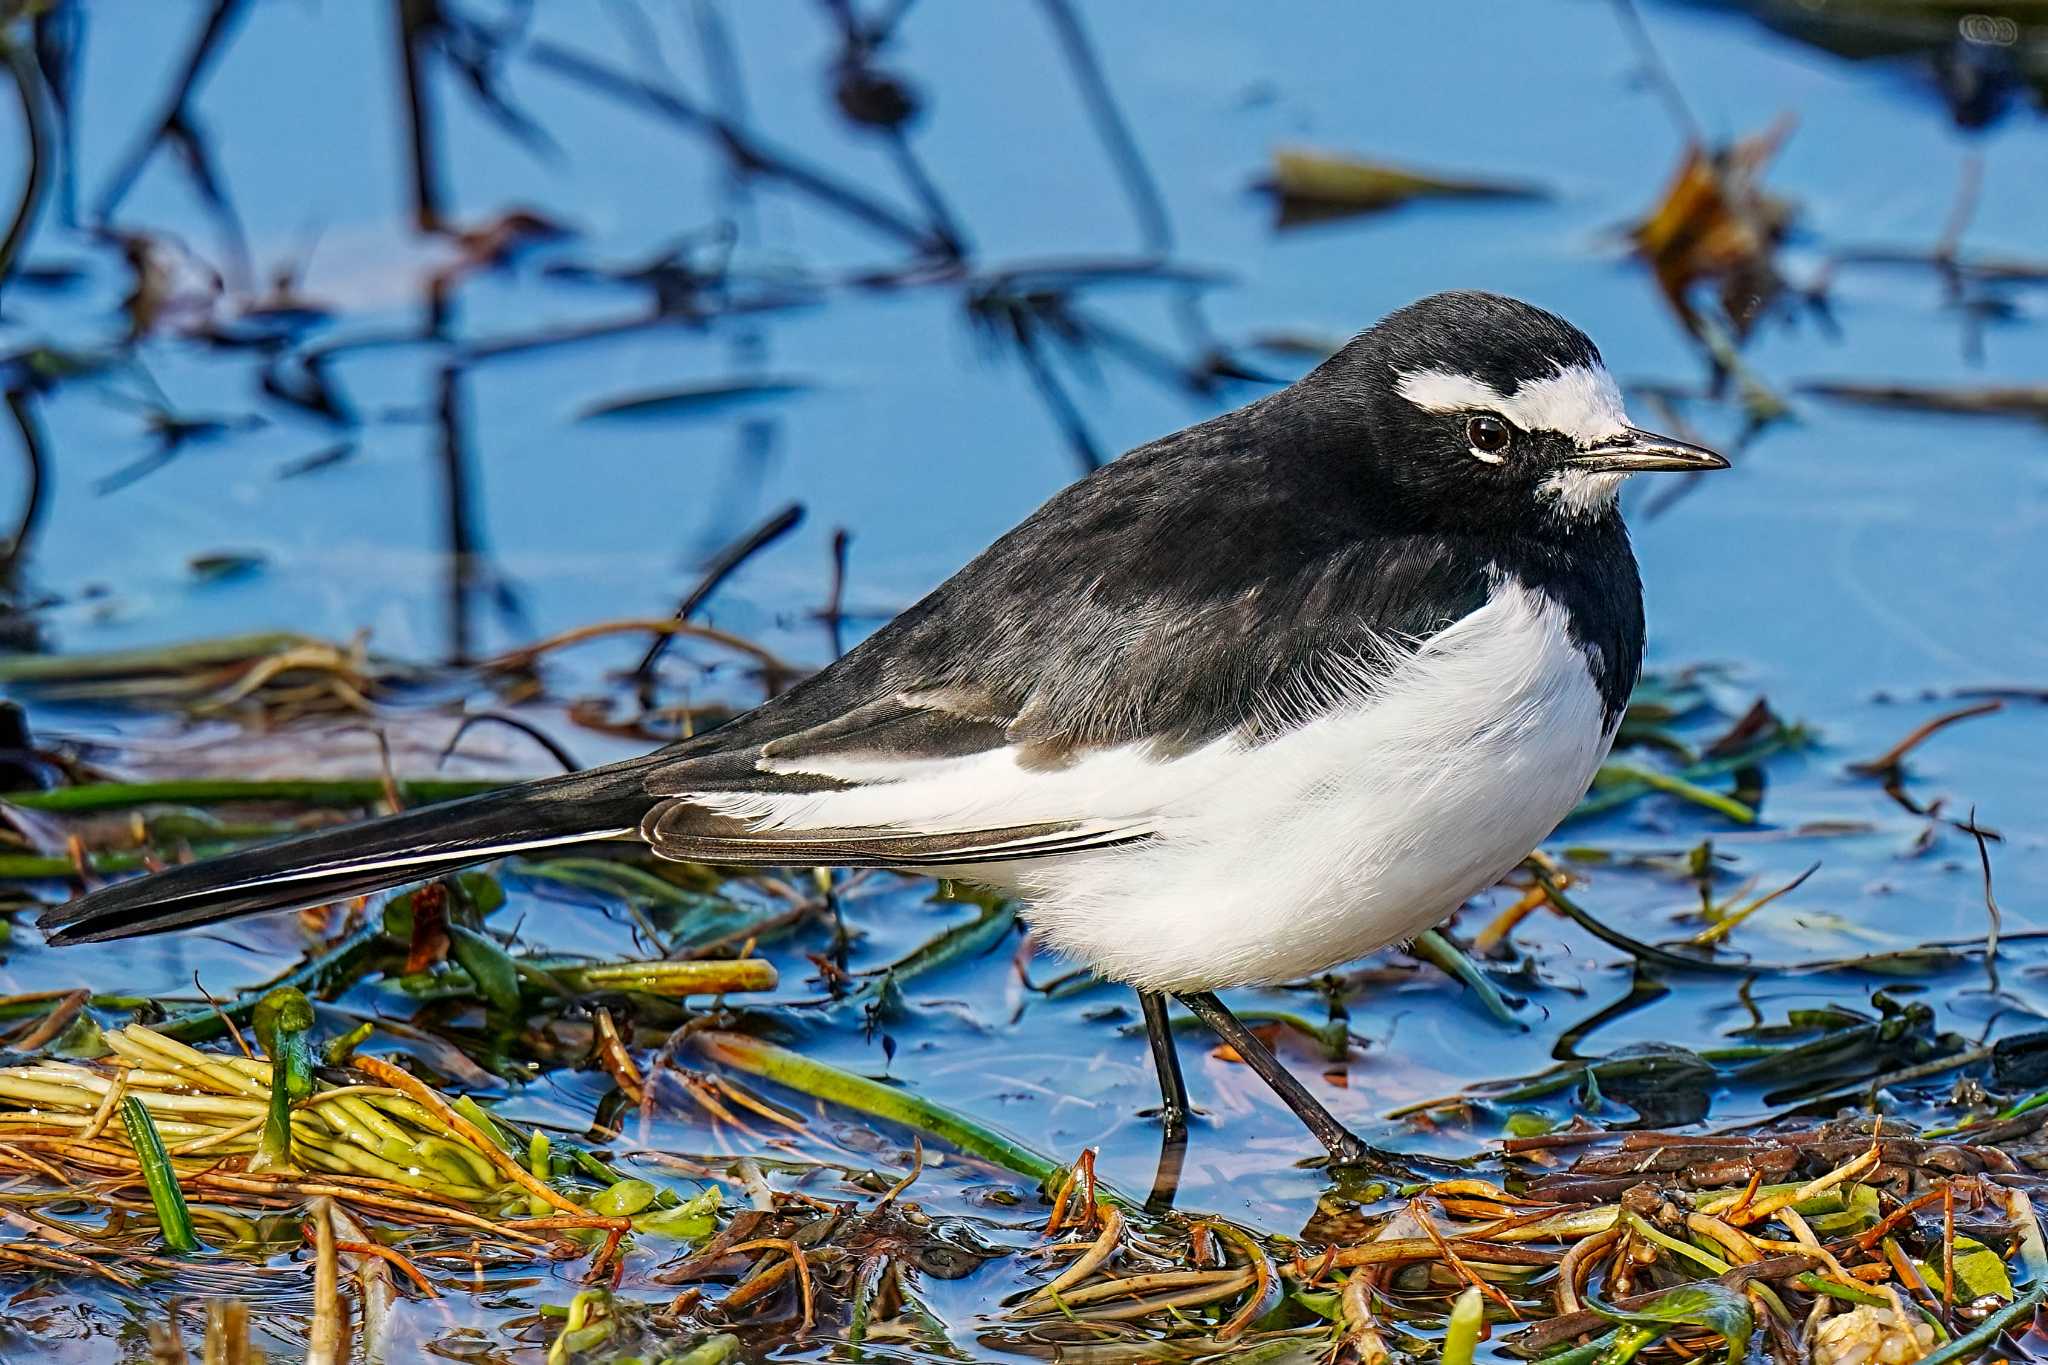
<point>1578,401</point>
<point>1583,492</point>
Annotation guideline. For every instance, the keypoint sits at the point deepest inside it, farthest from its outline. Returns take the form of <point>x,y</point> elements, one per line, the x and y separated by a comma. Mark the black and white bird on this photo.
<point>1250,701</point>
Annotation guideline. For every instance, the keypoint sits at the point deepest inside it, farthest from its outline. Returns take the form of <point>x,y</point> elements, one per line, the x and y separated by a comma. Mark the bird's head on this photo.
<point>1487,411</point>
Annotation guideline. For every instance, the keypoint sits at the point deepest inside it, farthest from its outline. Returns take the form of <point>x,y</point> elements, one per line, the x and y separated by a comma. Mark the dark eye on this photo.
<point>1488,434</point>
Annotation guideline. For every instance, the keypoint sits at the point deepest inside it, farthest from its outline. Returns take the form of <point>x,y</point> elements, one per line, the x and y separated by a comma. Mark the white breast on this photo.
<point>1363,824</point>
<point>1361,828</point>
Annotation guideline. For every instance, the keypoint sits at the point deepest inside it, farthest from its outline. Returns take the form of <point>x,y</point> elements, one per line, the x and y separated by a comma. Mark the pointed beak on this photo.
<point>1638,451</point>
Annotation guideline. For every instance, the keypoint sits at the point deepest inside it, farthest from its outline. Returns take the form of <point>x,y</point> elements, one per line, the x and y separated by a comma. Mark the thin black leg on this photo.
<point>1344,1146</point>
<point>1173,1109</point>
<point>1173,1091</point>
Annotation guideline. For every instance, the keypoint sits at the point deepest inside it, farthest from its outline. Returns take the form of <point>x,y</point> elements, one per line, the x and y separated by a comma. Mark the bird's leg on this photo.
<point>1173,1091</point>
<point>1173,1108</point>
<point>1344,1146</point>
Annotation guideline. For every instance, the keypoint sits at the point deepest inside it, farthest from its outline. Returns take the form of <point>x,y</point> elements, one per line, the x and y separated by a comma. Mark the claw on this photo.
<point>1352,1153</point>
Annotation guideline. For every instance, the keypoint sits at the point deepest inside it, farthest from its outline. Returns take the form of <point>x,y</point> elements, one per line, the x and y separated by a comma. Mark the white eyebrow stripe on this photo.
<point>1443,391</point>
<point>1579,401</point>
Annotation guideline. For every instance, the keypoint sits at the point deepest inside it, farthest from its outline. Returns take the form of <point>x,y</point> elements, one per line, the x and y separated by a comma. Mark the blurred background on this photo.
<point>352,350</point>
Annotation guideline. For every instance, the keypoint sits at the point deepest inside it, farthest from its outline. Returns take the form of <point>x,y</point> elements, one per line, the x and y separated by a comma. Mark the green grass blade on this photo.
<point>200,791</point>
<point>1439,952</point>
<point>283,1021</point>
<point>1988,1331</point>
<point>1674,785</point>
<point>1461,1336</point>
<point>158,1176</point>
<point>829,1083</point>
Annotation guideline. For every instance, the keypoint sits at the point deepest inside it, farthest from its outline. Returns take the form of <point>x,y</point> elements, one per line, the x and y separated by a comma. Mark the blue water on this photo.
<point>1856,567</point>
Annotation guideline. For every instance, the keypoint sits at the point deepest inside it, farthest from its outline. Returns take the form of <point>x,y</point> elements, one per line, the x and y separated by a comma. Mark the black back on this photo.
<point>1175,594</point>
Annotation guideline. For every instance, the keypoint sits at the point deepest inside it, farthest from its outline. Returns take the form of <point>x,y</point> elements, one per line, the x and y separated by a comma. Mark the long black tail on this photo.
<point>354,860</point>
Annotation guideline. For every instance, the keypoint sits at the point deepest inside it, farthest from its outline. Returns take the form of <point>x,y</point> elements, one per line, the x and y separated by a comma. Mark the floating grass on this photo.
<point>172,1216</point>
<point>1996,1324</point>
<point>1630,775</point>
<point>667,978</point>
<point>212,1106</point>
<point>204,791</point>
<point>835,1086</point>
<point>1461,1332</point>
<point>283,1019</point>
<point>1653,1245</point>
<point>1435,948</point>
<point>1619,784</point>
<point>249,1139</point>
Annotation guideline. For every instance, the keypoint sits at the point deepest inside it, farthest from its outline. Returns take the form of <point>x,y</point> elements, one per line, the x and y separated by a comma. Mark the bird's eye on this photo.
<point>1488,434</point>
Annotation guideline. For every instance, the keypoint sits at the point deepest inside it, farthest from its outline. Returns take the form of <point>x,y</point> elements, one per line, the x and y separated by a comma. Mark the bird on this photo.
<point>1250,701</point>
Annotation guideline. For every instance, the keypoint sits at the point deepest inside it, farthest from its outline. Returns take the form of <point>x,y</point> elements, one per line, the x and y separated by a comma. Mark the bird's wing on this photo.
<point>1035,703</point>
<point>912,779</point>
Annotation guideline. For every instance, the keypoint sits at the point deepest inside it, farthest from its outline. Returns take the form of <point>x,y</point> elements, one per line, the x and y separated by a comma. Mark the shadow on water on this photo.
<point>549,380</point>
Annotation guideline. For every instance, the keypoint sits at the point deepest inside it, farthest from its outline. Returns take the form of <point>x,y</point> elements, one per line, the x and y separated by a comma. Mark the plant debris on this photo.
<point>1313,187</point>
<point>1716,223</point>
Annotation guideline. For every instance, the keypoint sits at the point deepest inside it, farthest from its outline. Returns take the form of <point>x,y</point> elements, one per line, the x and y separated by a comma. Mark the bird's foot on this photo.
<point>1351,1153</point>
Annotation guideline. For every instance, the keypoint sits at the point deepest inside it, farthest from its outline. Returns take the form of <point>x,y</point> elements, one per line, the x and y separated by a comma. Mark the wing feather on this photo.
<point>687,830</point>
<point>1035,704</point>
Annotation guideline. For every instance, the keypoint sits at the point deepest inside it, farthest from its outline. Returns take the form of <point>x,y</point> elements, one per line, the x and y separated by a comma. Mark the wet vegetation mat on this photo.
<point>689,1142</point>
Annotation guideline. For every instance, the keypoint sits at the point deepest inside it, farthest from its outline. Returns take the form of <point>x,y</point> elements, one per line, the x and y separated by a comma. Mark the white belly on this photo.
<point>1364,815</point>
<point>1363,827</point>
